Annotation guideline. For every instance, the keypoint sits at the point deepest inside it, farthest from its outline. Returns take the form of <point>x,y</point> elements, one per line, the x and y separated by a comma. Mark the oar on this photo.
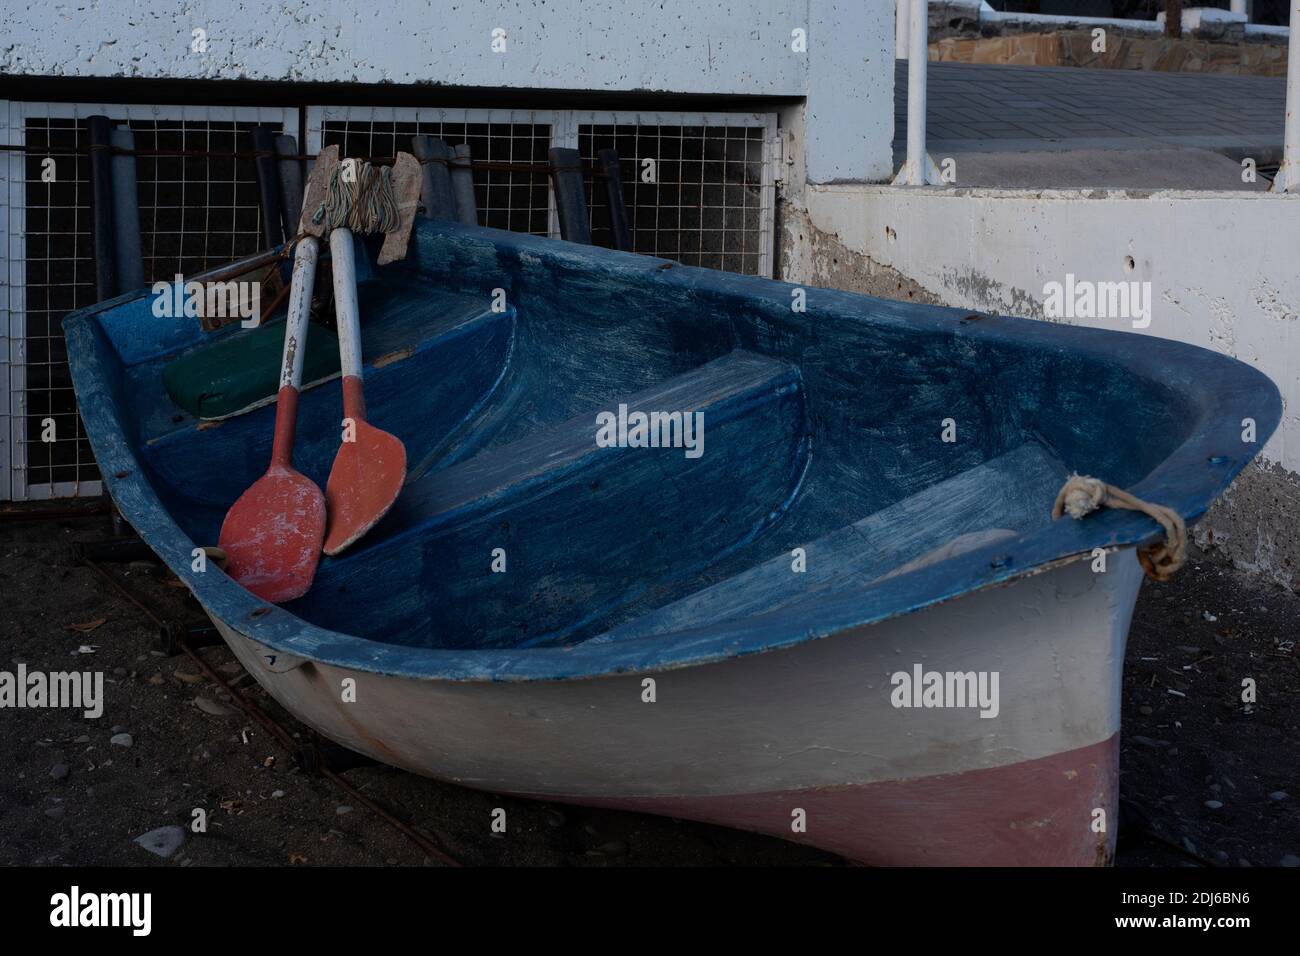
<point>272,535</point>
<point>371,464</point>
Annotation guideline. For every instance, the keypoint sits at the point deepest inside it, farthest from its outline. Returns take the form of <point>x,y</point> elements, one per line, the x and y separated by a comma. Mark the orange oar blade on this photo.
<point>371,464</point>
<point>272,535</point>
<point>366,478</point>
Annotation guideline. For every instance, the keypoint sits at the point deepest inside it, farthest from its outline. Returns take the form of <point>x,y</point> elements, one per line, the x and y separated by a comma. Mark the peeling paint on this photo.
<point>822,260</point>
<point>392,357</point>
<point>1234,531</point>
<point>983,292</point>
<point>1271,303</point>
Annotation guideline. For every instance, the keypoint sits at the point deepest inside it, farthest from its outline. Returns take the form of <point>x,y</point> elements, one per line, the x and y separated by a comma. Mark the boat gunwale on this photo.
<point>1188,479</point>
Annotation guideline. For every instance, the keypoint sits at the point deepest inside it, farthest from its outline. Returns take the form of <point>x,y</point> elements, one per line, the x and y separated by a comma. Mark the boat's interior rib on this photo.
<point>517,528</point>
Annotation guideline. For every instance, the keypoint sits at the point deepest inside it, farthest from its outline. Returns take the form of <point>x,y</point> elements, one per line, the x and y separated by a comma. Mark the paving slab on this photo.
<point>1173,123</point>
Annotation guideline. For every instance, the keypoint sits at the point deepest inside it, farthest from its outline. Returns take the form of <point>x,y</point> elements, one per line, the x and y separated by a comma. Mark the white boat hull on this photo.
<point>751,741</point>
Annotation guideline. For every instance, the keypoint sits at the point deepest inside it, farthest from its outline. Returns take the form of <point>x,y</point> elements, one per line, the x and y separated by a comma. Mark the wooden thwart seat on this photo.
<point>1013,491</point>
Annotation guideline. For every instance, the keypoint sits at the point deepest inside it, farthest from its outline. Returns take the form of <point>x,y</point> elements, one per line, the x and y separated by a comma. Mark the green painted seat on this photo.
<point>242,371</point>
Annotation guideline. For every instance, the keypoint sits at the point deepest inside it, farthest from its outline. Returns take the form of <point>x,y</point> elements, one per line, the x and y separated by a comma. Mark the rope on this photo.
<point>363,203</point>
<point>1081,495</point>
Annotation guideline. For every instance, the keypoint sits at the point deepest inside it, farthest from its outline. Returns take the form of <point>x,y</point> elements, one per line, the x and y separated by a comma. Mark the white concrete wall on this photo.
<point>738,47</point>
<point>1224,267</point>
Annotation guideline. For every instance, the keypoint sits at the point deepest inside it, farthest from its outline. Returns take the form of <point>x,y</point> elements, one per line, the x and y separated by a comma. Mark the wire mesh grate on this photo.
<point>709,202</point>
<point>694,194</point>
<point>195,212</point>
<point>60,277</point>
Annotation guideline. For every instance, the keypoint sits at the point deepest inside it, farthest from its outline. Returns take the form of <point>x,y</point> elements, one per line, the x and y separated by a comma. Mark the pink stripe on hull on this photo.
<point>1034,813</point>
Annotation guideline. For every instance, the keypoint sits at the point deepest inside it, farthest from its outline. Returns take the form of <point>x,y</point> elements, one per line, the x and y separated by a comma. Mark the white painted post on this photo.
<point>918,57</point>
<point>902,13</point>
<point>1288,176</point>
<point>1237,6</point>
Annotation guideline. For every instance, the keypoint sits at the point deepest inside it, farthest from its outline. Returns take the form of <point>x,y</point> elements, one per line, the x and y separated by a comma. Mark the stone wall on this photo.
<point>1123,52</point>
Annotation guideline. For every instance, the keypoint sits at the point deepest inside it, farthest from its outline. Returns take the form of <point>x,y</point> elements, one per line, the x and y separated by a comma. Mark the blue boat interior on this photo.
<point>838,444</point>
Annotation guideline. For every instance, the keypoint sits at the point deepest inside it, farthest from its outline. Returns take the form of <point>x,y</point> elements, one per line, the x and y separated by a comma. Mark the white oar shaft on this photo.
<point>295,324</point>
<point>343,258</point>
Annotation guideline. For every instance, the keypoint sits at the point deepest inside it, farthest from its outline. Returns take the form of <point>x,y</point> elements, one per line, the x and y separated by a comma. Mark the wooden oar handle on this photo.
<point>343,260</point>
<point>295,350</point>
<point>295,325</point>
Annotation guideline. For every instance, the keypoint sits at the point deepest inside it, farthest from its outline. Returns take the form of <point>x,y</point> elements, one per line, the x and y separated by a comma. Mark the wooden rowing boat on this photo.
<point>758,635</point>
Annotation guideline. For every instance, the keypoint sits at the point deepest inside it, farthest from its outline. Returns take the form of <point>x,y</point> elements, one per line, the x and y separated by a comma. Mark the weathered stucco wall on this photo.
<point>741,47</point>
<point>1222,269</point>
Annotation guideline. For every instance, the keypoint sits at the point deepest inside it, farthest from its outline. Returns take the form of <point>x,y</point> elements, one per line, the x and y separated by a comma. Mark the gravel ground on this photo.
<point>1206,778</point>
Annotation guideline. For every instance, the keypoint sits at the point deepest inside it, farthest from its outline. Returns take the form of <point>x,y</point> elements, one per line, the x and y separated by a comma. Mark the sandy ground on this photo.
<point>1206,778</point>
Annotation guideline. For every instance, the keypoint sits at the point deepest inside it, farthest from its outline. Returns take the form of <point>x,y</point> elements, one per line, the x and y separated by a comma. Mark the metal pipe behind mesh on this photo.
<point>101,192</point>
<point>462,185</point>
<point>126,213</point>
<point>618,224</point>
<point>570,201</point>
<point>435,180</point>
<point>290,170</point>
<point>268,182</point>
